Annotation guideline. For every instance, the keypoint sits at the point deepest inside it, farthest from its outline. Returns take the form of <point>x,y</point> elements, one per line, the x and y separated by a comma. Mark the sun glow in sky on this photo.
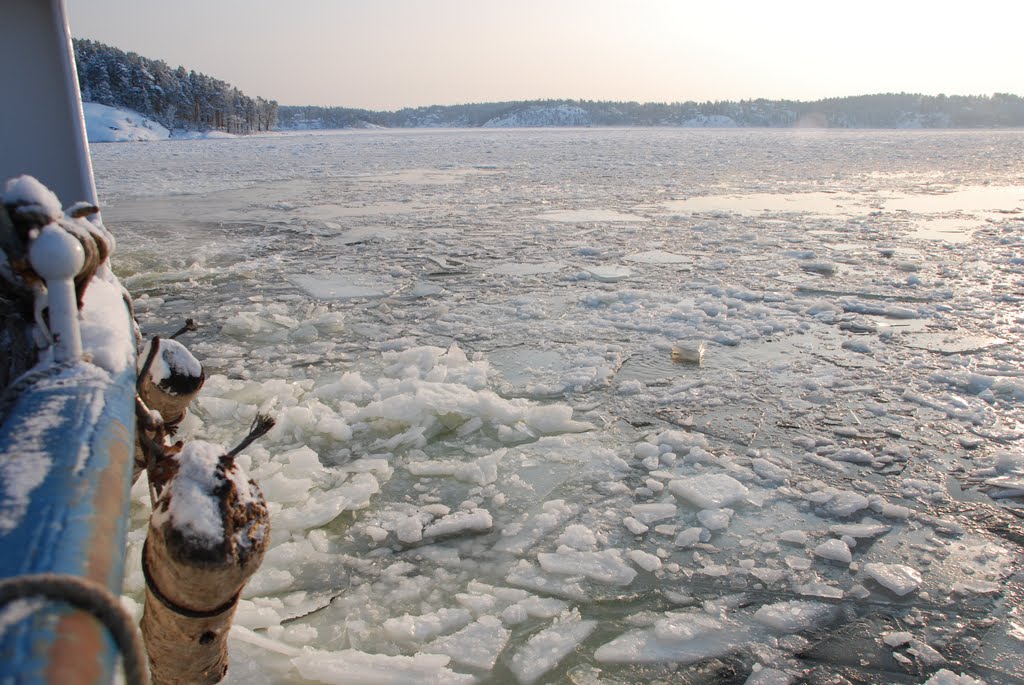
<point>388,54</point>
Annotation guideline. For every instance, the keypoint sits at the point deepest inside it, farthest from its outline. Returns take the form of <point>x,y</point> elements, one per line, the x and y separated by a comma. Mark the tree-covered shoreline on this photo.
<point>181,99</point>
<point>173,97</point>
<point>886,110</point>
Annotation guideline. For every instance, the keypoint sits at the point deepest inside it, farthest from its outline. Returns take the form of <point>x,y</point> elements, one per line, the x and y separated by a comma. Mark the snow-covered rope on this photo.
<point>91,597</point>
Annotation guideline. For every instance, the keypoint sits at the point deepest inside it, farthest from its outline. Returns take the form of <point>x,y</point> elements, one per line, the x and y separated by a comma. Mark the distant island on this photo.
<point>186,101</point>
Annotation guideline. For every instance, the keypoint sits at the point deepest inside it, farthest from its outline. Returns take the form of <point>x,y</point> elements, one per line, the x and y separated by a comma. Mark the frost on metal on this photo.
<point>95,306</point>
<point>29,212</point>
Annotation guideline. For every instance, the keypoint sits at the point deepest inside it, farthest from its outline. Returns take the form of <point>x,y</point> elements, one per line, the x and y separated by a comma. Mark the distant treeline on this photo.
<point>188,100</point>
<point>175,98</point>
<point>889,110</point>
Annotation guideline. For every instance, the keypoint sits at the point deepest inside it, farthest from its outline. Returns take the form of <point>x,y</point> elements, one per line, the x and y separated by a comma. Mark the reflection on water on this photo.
<point>983,199</point>
<point>832,204</point>
<point>970,207</point>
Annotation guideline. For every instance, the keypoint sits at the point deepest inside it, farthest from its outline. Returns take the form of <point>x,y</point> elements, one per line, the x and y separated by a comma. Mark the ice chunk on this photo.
<point>691,536</point>
<point>715,519</point>
<point>796,537</point>
<point>426,626</point>
<point>711,491</point>
<point>682,627</point>
<point>898,578</point>
<point>477,645</point>
<point>834,550</point>
<point>680,441</point>
<point>542,607</point>
<point>352,667</point>
<point>897,639</point>
<point>525,574</point>
<point>768,676</point>
<point>845,503</point>
<point>578,537</point>
<point>553,513</point>
<point>482,471</point>
<point>606,566</point>
<point>946,677</point>
<point>867,528</point>
<point>647,562</point>
<point>650,513</point>
<point>474,520</point>
<point>769,471</point>
<point>409,529</point>
<point>546,649</point>
<point>682,638</point>
<point>794,616</point>
<point>634,526</point>
<point>854,455</point>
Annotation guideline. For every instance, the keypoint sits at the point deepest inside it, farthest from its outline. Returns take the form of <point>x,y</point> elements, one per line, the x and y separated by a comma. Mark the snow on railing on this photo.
<point>58,257</point>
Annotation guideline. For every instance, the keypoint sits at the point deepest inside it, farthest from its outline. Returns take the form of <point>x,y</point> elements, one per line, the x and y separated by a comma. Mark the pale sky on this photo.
<point>388,54</point>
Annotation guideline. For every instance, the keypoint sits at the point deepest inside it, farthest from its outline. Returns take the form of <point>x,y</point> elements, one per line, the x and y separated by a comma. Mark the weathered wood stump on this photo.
<point>170,378</point>
<point>207,535</point>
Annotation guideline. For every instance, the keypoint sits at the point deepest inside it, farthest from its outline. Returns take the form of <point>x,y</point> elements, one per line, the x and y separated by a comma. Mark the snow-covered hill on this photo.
<point>109,125</point>
<point>710,121</point>
<point>539,115</point>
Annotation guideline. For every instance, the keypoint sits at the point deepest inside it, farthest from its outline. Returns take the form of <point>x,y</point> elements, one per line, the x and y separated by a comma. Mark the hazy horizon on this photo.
<point>397,54</point>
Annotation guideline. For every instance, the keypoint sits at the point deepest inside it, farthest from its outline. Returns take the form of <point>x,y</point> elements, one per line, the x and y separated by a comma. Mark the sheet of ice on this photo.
<point>795,616</point>
<point>573,376</point>
<point>474,520</point>
<point>867,528</point>
<point>683,638</point>
<point>526,575</point>
<point>837,203</point>
<point>946,677</point>
<point>482,471</point>
<point>898,578</point>
<point>546,649</point>
<point>606,566</point>
<point>352,667</point>
<point>609,273</point>
<point>592,216</point>
<point>710,491</point>
<point>769,676</point>
<point>521,269</point>
<point>715,519</point>
<point>478,645</point>
<point>340,286</point>
<point>425,627</point>
<point>657,257</point>
<point>834,550</point>
<point>653,512</point>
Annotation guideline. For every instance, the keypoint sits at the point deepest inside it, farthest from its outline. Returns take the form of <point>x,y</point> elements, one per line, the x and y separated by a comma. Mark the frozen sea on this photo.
<point>604,406</point>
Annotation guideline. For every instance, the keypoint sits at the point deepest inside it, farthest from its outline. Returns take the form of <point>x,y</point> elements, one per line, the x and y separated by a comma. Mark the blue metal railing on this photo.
<point>67,442</point>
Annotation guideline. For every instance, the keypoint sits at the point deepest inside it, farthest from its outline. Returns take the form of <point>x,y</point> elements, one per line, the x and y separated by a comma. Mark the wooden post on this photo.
<point>207,535</point>
<point>170,378</point>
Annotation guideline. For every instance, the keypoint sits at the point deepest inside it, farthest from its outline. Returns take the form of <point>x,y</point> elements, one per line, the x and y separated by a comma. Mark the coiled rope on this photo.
<point>93,598</point>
